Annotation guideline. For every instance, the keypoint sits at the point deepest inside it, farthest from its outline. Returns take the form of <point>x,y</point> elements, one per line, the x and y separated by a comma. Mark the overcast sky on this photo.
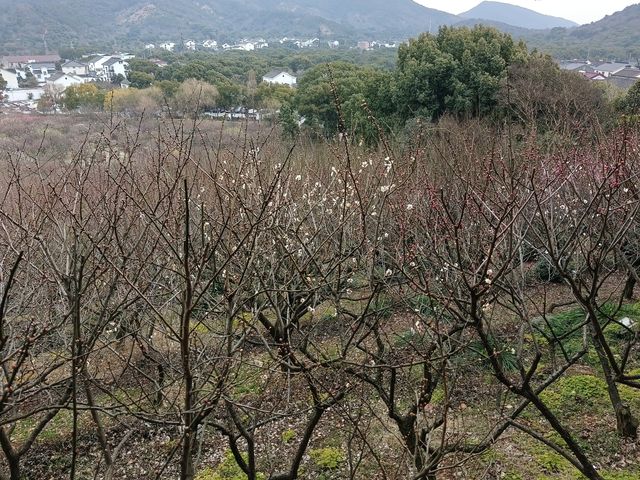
<point>581,11</point>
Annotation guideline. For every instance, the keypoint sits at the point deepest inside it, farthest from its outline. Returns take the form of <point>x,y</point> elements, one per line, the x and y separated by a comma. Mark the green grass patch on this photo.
<point>228,469</point>
<point>327,458</point>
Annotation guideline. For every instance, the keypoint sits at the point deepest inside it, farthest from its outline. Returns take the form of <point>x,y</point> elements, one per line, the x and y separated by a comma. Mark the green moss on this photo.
<point>438,395</point>
<point>57,430</point>
<point>326,312</point>
<point>228,469</point>
<point>551,463</point>
<point>327,458</point>
<point>288,435</point>
<point>199,328</point>
<point>576,393</point>
<point>249,378</point>
<point>630,475</point>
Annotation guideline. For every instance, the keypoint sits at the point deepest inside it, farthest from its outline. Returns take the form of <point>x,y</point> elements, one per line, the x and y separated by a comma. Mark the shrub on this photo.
<point>547,273</point>
<point>288,435</point>
<point>327,458</point>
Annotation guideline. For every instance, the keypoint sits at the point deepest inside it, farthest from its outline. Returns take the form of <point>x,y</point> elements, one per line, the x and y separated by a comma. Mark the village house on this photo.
<point>595,76</point>
<point>41,70</point>
<point>210,44</point>
<point>244,46</point>
<point>115,67</point>
<point>609,68</point>
<point>73,67</point>
<point>620,74</point>
<point>20,61</point>
<point>61,81</point>
<point>625,78</point>
<point>96,63</point>
<point>168,46</point>
<point>158,62</point>
<point>280,77</point>
<point>107,67</point>
<point>307,43</point>
<point>575,66</point>
<point>190,45</point>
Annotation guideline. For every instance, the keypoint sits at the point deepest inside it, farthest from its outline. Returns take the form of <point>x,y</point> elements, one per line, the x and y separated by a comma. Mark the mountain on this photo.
<point>615,37</point>
<point>515,16</point>
<point>515,32</point>
<point>26,24</point>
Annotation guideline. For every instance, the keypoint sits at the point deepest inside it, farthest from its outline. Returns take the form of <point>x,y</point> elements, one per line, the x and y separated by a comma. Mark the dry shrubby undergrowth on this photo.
<point>192,299</point>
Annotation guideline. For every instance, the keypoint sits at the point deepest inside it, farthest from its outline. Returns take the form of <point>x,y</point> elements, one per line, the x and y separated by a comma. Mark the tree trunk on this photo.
<point>12,457</point>
<point>626,423</point>
<point>187,471</point>
<point>629,286</point>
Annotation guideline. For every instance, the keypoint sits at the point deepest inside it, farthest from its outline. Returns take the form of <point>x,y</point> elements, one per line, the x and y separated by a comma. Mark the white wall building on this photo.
<point>75,68</point>
<point>61,81</point>
<point>280,77</point>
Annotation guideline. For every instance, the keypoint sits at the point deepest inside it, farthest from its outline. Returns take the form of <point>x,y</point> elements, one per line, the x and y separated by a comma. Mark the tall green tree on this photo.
<point>140,79</point>
<point>342,91</point>
<point>459,71</point>
<point>85,95</point>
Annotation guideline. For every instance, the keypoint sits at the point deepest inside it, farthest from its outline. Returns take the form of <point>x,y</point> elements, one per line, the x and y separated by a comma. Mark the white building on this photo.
<point>280,77</point>
<point>610,68</point>
<point>41,70</point>
<point>244,46</point>
<point>113,67</point>
<point>106,67</point>
<point>61,81</point>
<point>75,68</point>
<point>168,46</point>
<point>96,64</point>
<point>210,44</point>
<point>190,45</point>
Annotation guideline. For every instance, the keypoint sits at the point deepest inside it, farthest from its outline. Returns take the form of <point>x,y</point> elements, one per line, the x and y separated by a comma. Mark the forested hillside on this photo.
<point>32,25</point>
<point>614,37</point>
<point>119,22</point>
